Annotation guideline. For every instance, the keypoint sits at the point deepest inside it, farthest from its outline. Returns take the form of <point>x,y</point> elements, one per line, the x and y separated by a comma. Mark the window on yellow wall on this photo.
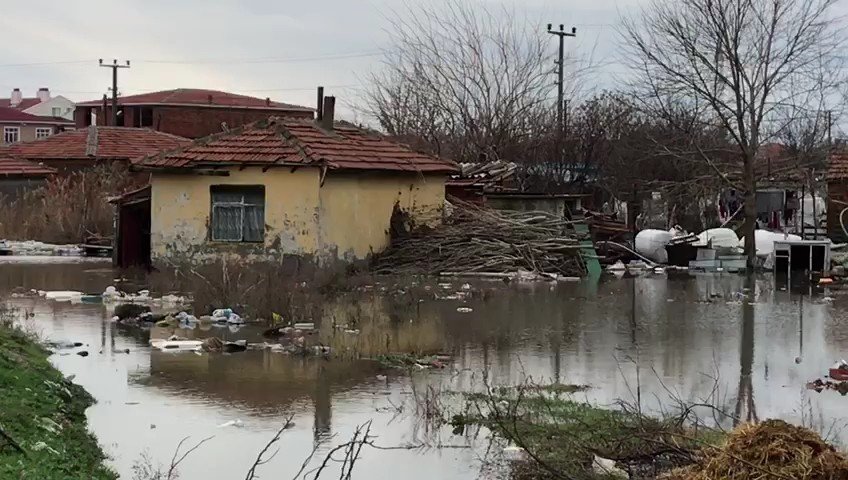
<point>238,213</point>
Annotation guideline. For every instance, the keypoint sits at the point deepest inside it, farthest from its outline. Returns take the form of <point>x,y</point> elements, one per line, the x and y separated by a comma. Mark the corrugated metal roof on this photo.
<point>292,142</point>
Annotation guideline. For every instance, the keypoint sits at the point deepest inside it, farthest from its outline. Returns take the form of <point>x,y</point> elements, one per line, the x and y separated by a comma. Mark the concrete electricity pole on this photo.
<point>114,66</point>
<point>561,33</point>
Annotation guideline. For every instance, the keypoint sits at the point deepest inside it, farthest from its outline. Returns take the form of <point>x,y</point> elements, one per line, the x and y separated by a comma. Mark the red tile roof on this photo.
<point>299,142</point>
<point>198,97</point>
<point>837,168</point>
<point>25,103</point>
<point>18,167</point>
<point>113,143</point>
<point>11,115</point>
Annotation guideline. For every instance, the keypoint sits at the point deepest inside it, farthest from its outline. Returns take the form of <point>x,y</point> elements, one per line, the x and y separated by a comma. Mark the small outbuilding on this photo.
<point>318,189</point>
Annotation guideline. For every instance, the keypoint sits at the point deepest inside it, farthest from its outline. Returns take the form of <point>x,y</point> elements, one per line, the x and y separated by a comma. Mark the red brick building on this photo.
<point>190,113</point>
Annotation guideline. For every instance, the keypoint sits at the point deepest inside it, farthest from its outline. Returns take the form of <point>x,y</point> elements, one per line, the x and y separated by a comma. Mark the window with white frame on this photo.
<point>43,132</point>
<point>57,111</point>
<point>11,134</point>
<point>238,213</point>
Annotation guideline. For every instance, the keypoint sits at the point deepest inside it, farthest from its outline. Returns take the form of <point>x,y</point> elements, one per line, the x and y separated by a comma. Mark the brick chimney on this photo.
<point>329,115</point>
<point>43,94</point>
<point>16,98</point>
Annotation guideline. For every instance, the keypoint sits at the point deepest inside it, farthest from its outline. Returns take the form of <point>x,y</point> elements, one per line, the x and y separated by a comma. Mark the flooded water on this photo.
<point>650,339</point>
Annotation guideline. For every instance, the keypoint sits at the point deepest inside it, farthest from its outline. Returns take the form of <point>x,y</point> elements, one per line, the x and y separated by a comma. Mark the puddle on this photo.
<point>706,341</point>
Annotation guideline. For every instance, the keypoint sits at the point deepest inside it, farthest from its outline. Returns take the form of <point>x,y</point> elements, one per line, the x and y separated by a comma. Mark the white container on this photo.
<point>651,244</point>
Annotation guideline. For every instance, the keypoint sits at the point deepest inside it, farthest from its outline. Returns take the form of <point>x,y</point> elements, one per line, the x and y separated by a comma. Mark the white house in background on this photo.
<point>42,105</point>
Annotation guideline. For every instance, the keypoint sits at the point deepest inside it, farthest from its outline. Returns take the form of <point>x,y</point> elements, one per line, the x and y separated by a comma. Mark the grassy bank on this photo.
<point>561,437</point>
<point>42,416</point>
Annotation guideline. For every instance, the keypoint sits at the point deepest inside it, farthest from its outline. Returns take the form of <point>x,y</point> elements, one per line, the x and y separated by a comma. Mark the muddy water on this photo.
<point>650,339</point>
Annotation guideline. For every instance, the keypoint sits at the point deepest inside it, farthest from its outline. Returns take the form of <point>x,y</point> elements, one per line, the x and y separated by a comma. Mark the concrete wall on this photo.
<point>27,131</point>
<point>181,208</point>
<point>347,218</point>
<point>45,109</point>
<point>356,209</point>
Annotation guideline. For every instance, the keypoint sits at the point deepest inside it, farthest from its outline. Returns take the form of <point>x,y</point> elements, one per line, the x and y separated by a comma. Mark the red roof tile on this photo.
<point>18,167</point>
<point>198,97</point>
<point>114,143</point>
<point>837,168</point>
<point>25,103</point>
<point>292,142</point>
<point>9,115</point>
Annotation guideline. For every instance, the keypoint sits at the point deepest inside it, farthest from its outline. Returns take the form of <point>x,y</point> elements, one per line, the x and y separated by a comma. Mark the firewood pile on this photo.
<point>478,240</point>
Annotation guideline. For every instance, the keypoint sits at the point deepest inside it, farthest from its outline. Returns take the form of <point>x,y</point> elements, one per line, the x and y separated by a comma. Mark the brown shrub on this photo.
<point>772,449</point>
<point>68,208</point>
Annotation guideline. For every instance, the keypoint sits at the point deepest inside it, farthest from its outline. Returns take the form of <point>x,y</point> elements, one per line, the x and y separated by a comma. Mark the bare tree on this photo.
<point>738,61</point>
<point>463,80</point>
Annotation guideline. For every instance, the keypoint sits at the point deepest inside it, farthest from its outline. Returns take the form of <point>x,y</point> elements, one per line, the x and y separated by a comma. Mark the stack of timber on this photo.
<point>479,240</point>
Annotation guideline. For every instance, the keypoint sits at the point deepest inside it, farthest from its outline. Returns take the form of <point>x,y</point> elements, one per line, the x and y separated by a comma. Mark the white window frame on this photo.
<point>54,110</point>
<point>43,132</point>
<point>8,132</point>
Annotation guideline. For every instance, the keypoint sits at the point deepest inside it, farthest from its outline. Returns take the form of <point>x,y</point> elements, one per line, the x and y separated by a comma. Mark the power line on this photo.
<point>41,64</point>
<point>340,56</point>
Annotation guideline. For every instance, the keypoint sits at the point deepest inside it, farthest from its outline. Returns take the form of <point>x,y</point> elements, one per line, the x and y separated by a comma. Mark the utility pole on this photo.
<point>829,118</point>
<point>561,33</point>
<point>114,66</point>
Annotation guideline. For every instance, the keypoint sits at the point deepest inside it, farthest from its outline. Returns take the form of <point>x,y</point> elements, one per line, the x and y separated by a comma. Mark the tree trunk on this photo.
<point>750,185</point>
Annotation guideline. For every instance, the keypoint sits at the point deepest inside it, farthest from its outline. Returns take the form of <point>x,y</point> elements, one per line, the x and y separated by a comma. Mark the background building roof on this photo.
<point>18,167</point>
<point>199,97</point>
<point>119,143</point>
<point>11,115</point>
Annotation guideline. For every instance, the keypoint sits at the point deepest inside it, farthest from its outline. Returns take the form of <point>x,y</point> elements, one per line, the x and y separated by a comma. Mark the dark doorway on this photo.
<point>133,239</point>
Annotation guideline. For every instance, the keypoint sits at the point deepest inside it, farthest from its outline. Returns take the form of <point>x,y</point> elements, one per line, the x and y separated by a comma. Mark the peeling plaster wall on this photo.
<point>356,209</point>
<point>181,208</point>
<point>347,218</point>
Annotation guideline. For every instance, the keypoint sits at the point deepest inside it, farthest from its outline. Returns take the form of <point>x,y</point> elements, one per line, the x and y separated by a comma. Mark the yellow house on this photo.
<point>278,187</point>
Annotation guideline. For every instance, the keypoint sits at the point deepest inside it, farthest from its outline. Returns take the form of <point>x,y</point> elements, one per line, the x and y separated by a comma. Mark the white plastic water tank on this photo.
<point>720,238</point>
<point>651,244</point>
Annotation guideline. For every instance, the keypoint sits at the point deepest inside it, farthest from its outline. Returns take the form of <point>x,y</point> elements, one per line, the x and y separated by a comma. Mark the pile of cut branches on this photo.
<point>475,240</point>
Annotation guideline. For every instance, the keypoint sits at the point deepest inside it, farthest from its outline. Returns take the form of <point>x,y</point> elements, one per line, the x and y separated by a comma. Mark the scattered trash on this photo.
<point>466,286</point>
<point>175,345</point>
<point>464,310</point>
<point>118,350</point>
<point>382,378</point>
<point>617,267</point>
<point>152,426</point>
<point>82,353</point>
<point>514,453</point>
<point>127,311</point>
<point>232,423</point>
<point>305,326</point>
<point>839,371</point>
<point>62,295</point>
<point>607,468</point>
<point>226,315</point>
<point>825,281</point>
<point>64,344</point>
<point>43,446</point>
<point>798,360</point>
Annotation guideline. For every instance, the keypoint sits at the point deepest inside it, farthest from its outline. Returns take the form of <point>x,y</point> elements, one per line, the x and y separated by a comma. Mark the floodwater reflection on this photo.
<point>644,340</point>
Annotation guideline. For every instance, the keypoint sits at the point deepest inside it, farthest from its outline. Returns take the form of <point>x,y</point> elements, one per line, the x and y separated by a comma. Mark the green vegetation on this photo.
<point>561,437</point>
<point>42,416</point>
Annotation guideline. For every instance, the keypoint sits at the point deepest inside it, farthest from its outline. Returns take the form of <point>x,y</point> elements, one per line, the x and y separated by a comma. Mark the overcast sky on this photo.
<point>280,49</point>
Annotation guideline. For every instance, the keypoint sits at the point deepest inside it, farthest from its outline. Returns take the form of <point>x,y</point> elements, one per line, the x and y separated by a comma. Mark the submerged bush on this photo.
<point>68,208</point>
